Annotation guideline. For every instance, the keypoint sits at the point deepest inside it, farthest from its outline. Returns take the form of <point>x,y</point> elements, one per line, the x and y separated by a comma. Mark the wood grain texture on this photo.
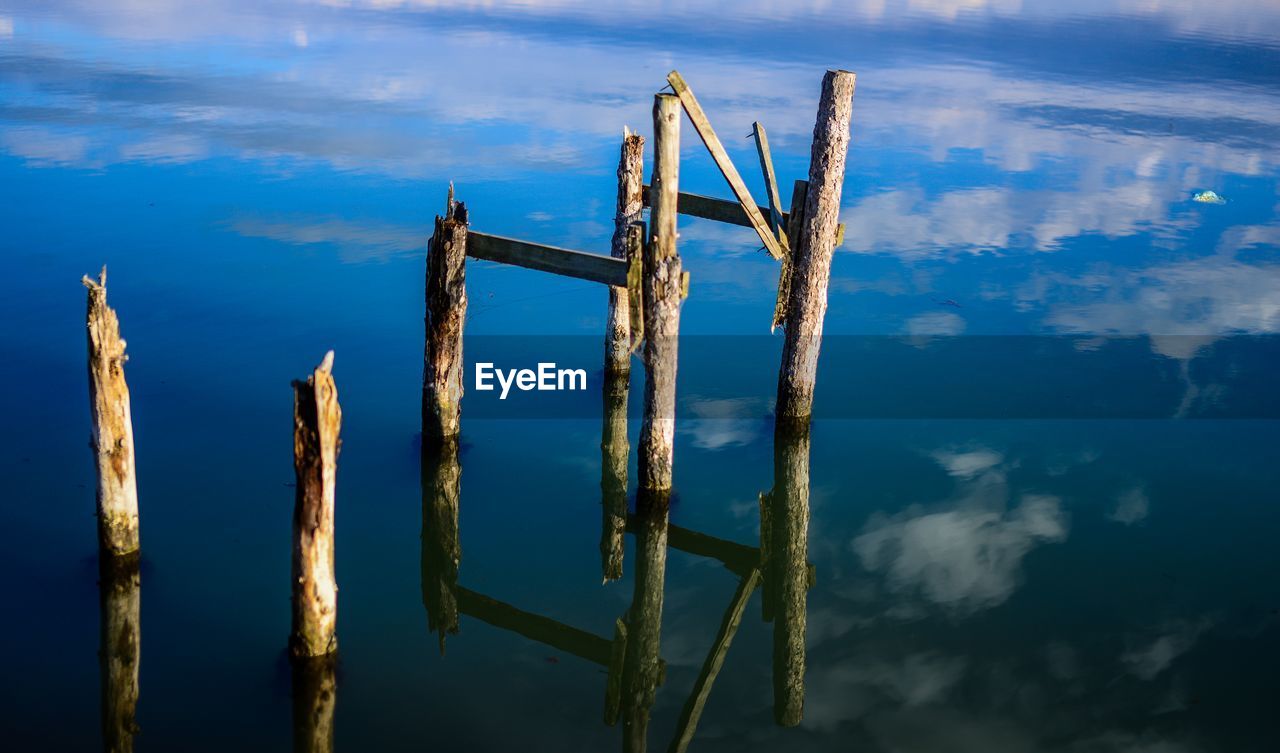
<point>811,272</point>
<point>710,208</point>
<point>776,216</point>
<point>446,315</point>
<point>561,261</point>
<point>627,209</point>
<point>112,424</point>
<point>317,420</point>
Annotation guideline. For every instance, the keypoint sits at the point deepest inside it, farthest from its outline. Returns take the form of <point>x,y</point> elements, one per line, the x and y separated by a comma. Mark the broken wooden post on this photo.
<point>662,296</point>
<point>614,455</point>
<point>112,425</point>
<point>441,552</point>
<point>642,670</point>
<point>317,419</point>
<point>119,588</point>
<point>617,349</point>
<point>315,698</point>
<point>446,294</point>
<point>811,262</point>
<point>785,526</point>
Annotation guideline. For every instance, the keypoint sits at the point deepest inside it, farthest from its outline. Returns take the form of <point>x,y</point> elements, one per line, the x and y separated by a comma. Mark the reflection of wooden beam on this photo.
<point>558,635</point>
<point>738,558</point>
<point>721,157</point>
<point>692,711</point>
<point>561,261</point>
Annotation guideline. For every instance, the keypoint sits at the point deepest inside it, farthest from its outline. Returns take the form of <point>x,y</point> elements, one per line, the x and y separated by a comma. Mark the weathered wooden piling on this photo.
<point>811,263</point>
<point>785,526</point>
<point>112,424</point>
<point>617,349</point>
<point>317,419</point>
<point>315,699</point>
<point>441,552</point>
<point>642,669</point>
<point>663,282</point>
<point>614,452</point>
<point>446,294</point>
<point>120,595</point>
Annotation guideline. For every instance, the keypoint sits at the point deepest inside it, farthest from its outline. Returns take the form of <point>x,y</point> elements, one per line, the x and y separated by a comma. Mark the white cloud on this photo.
<point>1150,660</point>
<point>1131,507</point>
<point>967,464</point>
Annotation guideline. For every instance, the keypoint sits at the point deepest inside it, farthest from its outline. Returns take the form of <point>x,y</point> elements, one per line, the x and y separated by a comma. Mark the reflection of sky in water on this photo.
<point>1015,167</point>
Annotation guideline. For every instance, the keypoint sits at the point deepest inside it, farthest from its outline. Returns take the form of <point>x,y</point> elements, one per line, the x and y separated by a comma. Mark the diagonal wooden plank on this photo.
<point>584,266</point>
<point>771,186</point>
<point>721,157</point>
<point>692,710</point>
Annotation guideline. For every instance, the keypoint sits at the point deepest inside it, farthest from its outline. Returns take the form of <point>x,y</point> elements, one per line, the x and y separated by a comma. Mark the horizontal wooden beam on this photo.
<point>561,261</point>
<point>709,208</point>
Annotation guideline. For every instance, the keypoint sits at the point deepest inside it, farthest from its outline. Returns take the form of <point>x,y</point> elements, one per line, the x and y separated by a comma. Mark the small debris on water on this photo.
<point>1208,197</point>
<point>553,660</point>
<point>949,302</point>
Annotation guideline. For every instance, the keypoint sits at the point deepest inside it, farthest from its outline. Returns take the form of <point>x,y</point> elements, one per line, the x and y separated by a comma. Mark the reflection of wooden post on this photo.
<point>787,571</point>
<point>112,424</point>
<point>811,264</point>
<point>662,293</point>
<point>121,634</point>
<point>446,292</point>
<point>617,348</point>
<point>614,451</point>
<point>441,553</point>
<point>315,696</point>
<point>641,669</point>
<point>317,419</point>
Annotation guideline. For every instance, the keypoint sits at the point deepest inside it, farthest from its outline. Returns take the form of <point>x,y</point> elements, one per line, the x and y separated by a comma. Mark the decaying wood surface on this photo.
<point>537,256</point>
<point>786,570</point>
<point>662,288</point>
<point>710,208</point>
<point>315,699</point>
<point>112,424</point>
<point>446,293</point>
<point>708,135</point>
<point>811,270</point>
<point>317,419</point>
<point>692,711</point>
<point>630,204</point>
<point>120,596</point>
<point>642,670</point>
<point>795,219</point>
<point>614,455</point>
<point>441,551</point>
<point>635,282</point>
<point>776,221</point>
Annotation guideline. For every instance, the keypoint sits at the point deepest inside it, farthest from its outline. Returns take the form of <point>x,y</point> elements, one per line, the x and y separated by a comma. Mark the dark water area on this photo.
<point>1041,482</point>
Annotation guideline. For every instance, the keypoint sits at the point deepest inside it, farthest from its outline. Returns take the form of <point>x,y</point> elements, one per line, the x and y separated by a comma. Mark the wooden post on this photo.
<point>786,568</point>
<point>662,296</point>
<point>315,699</point>
<point>441,552</point>
<point>614,455</point>
<point>446,294</point>
<point>112,425</point>
<point>642,673</point>
<point>617,348</point>
<point>120,592</point>
<point>794,222</point>
<point>811,268</point>
<point>317,419</point>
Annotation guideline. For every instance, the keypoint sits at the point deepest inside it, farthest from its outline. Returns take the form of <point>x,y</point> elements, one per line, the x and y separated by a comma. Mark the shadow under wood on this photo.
<point>120,593</point>
<point>441,551</point>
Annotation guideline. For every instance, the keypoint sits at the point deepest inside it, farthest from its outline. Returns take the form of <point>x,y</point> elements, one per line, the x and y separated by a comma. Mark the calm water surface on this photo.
<point>261,179</point>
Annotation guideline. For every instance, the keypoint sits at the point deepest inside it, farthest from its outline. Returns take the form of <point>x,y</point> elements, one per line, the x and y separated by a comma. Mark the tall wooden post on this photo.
<point>663,283</point>
<point>617,347</point>
<point>785,523</point>
<point>120,594</point>
<point>446,294</point>
<point>614,452</point>
<point>317,419</point>
<point>112,425</point>
<point>642,668</point>
<point>315,699</point>
<point>811,266</point>
<point>441,552</point>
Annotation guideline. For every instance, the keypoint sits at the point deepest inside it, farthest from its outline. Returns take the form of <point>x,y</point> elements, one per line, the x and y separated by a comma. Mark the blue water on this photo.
<point>261,178</point>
